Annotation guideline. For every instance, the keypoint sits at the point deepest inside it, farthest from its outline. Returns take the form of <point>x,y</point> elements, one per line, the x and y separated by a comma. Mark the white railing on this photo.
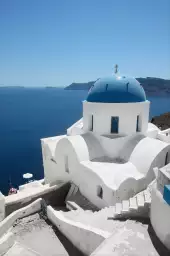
<point>164,135</point>
<point>76,128</point>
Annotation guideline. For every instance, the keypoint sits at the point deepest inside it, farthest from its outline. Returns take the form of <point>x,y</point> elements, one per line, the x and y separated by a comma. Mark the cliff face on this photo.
<point>80,86</point>
<point>152,86</point>
<point>162,121</point>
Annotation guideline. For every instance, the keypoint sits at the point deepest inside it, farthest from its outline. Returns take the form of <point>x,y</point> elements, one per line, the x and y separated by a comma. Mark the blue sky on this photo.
<point>57,42</point>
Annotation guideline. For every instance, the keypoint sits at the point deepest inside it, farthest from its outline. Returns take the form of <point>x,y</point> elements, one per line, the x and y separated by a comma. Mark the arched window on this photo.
<point>100,192</point>
<point>91,123</point>
<point>166,159</point>
<point>137,124</point>
<point>66,164</point>
<point>114,124</point>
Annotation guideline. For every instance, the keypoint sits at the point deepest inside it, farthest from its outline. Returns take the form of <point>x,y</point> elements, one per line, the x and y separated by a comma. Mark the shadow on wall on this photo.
<point>159,246</point>
<point>129,146</point>
<point>94,147</point>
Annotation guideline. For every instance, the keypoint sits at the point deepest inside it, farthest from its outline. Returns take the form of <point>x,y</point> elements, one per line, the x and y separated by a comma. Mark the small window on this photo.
<point>100,192</point>
<point>66,164</point>
<point>137,124</point>
<point>114,124</point>
<point>91,123</point>
<point>166,159</point>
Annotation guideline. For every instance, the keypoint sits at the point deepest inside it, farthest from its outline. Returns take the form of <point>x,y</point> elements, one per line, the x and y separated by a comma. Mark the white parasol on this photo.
<point>27,175</point>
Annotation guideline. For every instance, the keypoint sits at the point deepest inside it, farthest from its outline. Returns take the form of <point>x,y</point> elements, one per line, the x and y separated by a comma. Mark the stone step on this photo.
<point>74,195</point>
<point>140,200</point>
<point>147,196</point>
<point>118,208</point>
<point>125,205</point>
<point>72,206</point>
<point>138,205</point>
<point>72,191</point>
<point>102,219</point>
<point>69,193</point>
<point>133,203</point>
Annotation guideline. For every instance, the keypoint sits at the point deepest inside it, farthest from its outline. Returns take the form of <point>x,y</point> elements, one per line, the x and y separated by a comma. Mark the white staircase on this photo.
<point>137,206</point>
<point>107,219</point>
<point>74,198</point>
<point>102,219</point>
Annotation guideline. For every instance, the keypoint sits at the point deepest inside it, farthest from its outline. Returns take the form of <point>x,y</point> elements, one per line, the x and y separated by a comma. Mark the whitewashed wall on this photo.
<point>2,206</point>
<point>127,112</point>
<point>84,177</point>
<point>76,128</point>
<point>164,135</point>
<point>48,146</point>
<point>147,154</point>
<point>84,237</point>
<point>119,147</point>
<point>160,212</point>
<point>72,163</point>
<point>20,213</point>
<point>152,131</point>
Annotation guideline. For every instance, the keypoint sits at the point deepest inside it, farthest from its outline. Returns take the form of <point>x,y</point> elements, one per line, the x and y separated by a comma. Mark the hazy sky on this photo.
<point>57,42</point>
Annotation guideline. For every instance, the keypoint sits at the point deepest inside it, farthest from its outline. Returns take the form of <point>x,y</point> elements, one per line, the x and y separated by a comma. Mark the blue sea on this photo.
<point>28,114</point>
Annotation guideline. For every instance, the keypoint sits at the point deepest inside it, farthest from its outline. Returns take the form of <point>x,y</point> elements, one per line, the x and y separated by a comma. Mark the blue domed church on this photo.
<point>111,155</point>
<point>116,105</point>
<point>112,149</point>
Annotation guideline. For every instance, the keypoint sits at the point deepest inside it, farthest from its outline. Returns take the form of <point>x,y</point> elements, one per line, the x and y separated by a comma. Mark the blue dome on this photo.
<point>116,90</point>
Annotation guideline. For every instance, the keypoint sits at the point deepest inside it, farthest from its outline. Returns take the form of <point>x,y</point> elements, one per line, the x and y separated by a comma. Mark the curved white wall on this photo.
<point>127,113</point>
<point>160,212</point>
<point>80,170</point>
<point>73,155</point>
<point>85,238</point>
<point>147,154</point>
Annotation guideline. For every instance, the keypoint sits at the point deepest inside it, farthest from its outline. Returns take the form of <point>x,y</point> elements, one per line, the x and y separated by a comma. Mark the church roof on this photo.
<point>116,89</point>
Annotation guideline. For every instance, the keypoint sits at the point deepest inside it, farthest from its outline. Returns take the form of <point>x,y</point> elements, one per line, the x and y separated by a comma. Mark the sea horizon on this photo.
<point>29,115</point>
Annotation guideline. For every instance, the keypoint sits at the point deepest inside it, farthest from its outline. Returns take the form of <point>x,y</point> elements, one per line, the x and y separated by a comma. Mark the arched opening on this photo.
<point>100,192</point>
<point>114,124</point>
<point>91,123</point>
<point>137,125</point>
<point>166,159</point>
<point>66,164</point>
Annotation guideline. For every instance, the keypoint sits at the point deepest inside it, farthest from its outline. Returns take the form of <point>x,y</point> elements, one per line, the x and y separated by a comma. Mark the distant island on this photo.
<point>50,87</point>
<point>153,86</point>
<point>11,86</point>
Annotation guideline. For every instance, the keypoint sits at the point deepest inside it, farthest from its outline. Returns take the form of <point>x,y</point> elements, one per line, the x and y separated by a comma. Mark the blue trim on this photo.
<point>116,90</point>
<point>166,194</point>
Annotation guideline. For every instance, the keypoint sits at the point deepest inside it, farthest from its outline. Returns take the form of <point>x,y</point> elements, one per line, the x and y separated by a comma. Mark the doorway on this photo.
<point>137,124</point>
<point>114,124</point>
<point>91,123</point>
<point>166,159</point>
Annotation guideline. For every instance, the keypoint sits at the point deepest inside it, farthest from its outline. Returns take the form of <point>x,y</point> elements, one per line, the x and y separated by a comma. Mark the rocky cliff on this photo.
<point>162,121</point>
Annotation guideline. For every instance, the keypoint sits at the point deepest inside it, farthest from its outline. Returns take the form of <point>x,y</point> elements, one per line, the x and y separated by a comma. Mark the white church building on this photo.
<point>112,163</point>
<point>110,153</point>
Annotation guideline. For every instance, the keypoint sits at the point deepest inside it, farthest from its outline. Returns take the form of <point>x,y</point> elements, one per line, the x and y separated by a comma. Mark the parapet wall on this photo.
<point>85,238</point>
<point>53,195</point>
